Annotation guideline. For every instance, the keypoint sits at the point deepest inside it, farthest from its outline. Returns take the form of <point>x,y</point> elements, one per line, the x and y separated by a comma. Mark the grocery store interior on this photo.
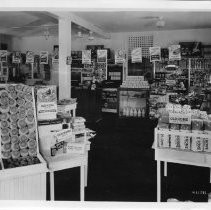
<point>105,105</point>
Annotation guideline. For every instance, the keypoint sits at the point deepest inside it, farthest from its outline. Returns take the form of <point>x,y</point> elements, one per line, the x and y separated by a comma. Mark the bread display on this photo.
<point>17,126</point>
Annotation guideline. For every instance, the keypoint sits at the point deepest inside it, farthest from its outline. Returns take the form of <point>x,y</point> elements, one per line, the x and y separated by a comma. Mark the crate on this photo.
<point>24,183</point>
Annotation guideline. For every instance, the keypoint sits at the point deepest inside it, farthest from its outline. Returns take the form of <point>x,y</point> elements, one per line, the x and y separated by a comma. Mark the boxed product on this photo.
<point>185,142</point>
<point>175,141</point>
<point>75,148</point>
<point>64,135</point>
<point>163,140</point>
<point>207,144</point>
<point>197,144</point>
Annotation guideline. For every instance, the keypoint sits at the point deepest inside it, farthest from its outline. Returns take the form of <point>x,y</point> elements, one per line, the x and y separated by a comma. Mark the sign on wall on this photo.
<point>136,55</point>
<point>155,54</point>
<point>55,56</point>
<point>174,52</point>
<point>44,57</point>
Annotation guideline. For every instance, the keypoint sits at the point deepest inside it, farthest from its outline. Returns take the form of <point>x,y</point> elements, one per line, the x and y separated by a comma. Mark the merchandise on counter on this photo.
<point>135,82</point>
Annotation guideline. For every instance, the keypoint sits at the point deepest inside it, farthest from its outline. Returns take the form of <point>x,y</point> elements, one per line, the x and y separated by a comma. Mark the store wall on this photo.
<point>164,38</point>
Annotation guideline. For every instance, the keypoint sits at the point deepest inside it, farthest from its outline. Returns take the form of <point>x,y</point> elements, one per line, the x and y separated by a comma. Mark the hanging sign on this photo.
<point>55,57</point>
<point>46,103</point>
<point>86,56</point>
<point>16,57</point>
<point>69,60</point>
<point>119,56</point>
<point>29,57</point>
<point>174,52</point>
<point>101,56</point>
<point>136,55</point>
<point>44,57</point>
<point>155,54</point>
<point>3,55</point>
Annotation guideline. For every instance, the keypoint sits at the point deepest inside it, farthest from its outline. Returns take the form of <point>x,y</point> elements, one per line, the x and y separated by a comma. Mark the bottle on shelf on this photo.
<point>139,112</point>
<point>143,112</point>
<point>131,112</point>
<point>127,112</point>
<point>135,113</point>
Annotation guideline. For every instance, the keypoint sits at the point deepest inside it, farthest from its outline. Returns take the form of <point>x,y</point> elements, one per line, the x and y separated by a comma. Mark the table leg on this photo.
<point>158,181</point>
<point>73,112</point>
<point>52,186</point>
<point>82,183</point>
<point>210,175</point>
<point>165,168</point>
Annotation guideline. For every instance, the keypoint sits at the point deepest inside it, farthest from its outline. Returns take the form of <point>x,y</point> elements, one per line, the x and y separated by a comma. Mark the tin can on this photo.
<point>197,144</point>
<point>185,143</point>
<point>175,141</point>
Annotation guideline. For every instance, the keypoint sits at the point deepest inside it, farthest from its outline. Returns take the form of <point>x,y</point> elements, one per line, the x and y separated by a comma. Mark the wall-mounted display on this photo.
<point>44,57</point>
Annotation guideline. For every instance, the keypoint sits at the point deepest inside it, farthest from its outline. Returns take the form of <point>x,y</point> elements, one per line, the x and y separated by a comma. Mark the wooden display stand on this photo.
<point>24,183</point>
<point>187,157</point>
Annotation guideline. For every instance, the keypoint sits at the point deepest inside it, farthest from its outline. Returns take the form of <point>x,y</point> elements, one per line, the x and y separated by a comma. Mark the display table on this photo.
<point>67,161</point>
<point>202,159</point>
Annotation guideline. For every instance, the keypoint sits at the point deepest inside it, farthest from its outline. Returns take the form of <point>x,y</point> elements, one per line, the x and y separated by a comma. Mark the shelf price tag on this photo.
<point>178,118</point>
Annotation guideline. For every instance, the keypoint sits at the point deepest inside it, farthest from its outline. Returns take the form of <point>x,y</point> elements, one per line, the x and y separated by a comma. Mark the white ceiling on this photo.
<point>34,23</point>
<point>134,21</point>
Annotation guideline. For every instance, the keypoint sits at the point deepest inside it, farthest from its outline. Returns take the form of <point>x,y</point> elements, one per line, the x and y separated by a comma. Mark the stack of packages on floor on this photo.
<point>181,127</point>
<point>17,126</point>
<point>67,140</point>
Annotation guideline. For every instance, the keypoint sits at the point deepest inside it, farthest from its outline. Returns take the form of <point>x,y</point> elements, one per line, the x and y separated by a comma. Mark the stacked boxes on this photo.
<point>135,82</point>
<point>184,129</point>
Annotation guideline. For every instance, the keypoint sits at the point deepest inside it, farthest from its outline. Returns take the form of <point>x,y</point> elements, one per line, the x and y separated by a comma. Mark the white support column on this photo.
<point>64,51</point>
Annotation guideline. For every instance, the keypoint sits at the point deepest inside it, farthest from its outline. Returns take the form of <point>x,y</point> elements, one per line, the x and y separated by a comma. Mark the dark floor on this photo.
<point>122,168</point>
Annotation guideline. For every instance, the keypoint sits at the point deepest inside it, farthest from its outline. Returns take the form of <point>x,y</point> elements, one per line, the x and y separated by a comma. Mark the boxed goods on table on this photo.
<point>185,129</point>
<point>135,82</point>
<point>66,105</point>
<point>20,158</point>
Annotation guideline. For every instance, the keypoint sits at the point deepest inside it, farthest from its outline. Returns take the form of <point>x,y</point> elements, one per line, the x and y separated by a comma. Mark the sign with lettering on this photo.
<point>178,118</point>
<point>136,55</point>
<point>155,54</point>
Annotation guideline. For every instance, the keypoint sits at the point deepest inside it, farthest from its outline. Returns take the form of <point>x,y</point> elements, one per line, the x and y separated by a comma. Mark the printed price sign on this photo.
<point>86,56</point>
<point>177,118</point>
<point>43,57</point>
<point>29,57</point>
<point>155,54</point>
<point>101,56</point>
<point>119,56</point>
<point>3,55</point>
<point>174,52</point>
<point>136,55</point>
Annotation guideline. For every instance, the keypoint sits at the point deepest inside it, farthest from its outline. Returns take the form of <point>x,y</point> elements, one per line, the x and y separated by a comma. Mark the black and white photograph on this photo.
<point>105,104</point>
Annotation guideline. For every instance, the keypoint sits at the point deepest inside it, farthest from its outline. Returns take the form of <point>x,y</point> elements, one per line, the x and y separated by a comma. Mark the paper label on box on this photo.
<point>76,148</point>
<point>178,118</point>
<point>46,110</point>
<point>64,135</point>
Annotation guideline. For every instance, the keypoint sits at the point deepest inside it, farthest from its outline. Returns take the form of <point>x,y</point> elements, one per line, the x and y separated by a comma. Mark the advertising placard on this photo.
<point>44,57</point>
<point>174,52</point>
<point>55,56</point>
<point>155,54</point>
<point>46,103</point>
<point>136,55</point>
<point>101,56</point>
<point>86,56</point>
<point>119,56</point>
<point>16,57</point>
<point>29,57</point>
<point>3,55</point>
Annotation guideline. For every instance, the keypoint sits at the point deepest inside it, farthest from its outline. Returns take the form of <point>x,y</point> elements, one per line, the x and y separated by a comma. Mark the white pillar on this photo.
<point>64,51</point>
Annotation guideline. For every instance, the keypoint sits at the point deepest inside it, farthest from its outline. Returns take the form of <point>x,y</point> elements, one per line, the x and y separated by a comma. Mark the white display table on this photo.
<point>201,159</point>
<point>67,161</point>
